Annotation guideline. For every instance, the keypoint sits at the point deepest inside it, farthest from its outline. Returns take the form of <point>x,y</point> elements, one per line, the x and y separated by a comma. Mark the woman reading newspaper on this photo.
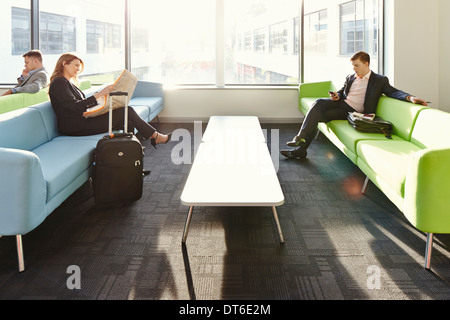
<point>70,103</point>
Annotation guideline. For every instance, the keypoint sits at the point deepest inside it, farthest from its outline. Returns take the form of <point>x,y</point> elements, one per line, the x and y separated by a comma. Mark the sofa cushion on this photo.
<point>142,111</point>
<point>432,129</point>
<point>22,129</point>
<point>388,159</point>
<point>63,161</point>
<point>402,114</point>
<point>152,102</point>
<point>49,118</point>
<point>350,137</point>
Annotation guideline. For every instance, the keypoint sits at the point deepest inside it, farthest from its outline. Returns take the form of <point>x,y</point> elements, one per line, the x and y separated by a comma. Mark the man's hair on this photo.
<point>33,54</point>
<point>361,55</point>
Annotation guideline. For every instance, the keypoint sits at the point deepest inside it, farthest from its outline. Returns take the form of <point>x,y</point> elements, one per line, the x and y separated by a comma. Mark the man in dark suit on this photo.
<point>360,93</point>
<point>34,76</point>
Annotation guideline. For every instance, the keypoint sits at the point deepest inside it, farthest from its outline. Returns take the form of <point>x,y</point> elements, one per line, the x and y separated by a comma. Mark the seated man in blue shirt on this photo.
<point>34,77</point>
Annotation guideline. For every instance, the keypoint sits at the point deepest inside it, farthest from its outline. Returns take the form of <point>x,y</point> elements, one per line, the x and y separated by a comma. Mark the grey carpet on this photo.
<point>338,243</point>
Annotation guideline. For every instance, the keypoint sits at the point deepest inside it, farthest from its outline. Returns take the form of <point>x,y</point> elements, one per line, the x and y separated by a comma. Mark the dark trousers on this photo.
<point>323,110</point>
<point>97,125</point>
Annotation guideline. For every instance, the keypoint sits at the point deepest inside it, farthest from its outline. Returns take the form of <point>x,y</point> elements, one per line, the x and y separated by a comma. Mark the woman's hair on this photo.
<point>66,58</point>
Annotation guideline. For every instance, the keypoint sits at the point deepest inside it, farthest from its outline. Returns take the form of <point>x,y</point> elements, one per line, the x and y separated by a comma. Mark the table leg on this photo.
<point>277,222</point>
<point>186,226</point>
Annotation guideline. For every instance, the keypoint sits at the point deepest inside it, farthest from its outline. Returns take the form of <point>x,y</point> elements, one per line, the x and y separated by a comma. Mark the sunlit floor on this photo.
<point>338,243</point>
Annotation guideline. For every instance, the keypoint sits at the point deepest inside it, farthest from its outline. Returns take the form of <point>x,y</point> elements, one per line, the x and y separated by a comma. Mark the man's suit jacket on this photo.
<point>377,86</point>
<point>33,83</point>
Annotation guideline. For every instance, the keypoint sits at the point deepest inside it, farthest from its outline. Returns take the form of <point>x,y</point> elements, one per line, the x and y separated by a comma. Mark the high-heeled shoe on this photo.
<point>153,140</point>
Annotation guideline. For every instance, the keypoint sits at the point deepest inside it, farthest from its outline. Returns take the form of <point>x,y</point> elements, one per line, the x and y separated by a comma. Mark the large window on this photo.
<point>333,31</point>
<point>261,42</point>
<point>176,40</point>
<point>198,42</point>
<point>94,29</point>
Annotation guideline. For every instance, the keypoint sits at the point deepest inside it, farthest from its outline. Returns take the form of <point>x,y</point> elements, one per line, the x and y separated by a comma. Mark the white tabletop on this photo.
<point>233,127</point>
<point>232,172</point>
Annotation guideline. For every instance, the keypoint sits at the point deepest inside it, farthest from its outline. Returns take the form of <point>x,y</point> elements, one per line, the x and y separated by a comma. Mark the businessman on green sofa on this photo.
<point>34,76</point>
<point>360,93</point>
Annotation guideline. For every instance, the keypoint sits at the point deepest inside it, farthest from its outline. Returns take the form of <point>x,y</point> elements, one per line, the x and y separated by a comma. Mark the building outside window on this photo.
<point>334,30</point>
<point>352,27</point>
<point>20,29</point>
<point>270,53</point>
<point>260,40</point>
<point>101,36</point>
<point>278,38</point>
<point>175,42</point>
<point>297,36</point>
<point>316,27</point>
<point>57,33</point>
<point>248,40</point>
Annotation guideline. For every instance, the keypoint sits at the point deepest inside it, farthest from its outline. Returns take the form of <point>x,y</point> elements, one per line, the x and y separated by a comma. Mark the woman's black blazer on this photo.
<point>69,103</point>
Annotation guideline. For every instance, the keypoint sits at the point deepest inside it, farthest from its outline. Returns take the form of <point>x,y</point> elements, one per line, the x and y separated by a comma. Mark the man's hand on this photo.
<point>25,73</point>
<point>333,95</point>
<point>416,100</point>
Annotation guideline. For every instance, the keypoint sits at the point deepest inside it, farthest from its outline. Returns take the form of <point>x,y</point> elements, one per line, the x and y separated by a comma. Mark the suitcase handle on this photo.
<point>125,122</point>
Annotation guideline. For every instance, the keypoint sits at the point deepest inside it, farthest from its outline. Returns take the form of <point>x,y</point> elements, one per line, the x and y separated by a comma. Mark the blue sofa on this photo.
<point>40,169</point>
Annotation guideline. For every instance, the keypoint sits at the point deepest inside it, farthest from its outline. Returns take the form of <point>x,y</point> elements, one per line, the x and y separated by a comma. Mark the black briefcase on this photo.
<point>118,168</point>
<point>377,125</point>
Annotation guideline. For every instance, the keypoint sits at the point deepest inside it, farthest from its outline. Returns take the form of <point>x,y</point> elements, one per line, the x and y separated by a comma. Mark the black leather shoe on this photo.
<point>296,154</point>
<point>296,141</point>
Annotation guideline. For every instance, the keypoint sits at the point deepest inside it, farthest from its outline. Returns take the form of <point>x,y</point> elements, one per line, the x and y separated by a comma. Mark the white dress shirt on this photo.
<point>357,94</point>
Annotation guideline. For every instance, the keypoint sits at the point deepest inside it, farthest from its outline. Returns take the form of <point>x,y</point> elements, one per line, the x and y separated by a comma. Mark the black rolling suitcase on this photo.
<point>118,169</point>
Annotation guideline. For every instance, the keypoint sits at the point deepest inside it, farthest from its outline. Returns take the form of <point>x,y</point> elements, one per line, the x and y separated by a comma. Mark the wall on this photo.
<point>275,105</point>
<point>415,47</point>
<point>444,64</point>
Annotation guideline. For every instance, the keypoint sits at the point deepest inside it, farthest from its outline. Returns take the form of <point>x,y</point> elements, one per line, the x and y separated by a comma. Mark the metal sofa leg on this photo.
<point>317,135</point>
<point>20,253</point>
<point>428,250</point>
<point>363,191</point>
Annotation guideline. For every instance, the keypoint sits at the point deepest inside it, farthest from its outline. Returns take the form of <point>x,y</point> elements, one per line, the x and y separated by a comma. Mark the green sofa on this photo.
<point>412,169</point>
<point>21,100</point>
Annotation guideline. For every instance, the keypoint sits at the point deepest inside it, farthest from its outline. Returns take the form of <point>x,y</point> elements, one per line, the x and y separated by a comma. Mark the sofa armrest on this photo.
<point>22,192</point>
<point>427,191</point>
<point>316,89</point>
<point>148,89</point>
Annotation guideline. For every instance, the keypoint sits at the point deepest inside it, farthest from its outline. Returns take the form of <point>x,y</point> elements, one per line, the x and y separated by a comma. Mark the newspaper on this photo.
<point>361,116</point>
<point>126,82</point>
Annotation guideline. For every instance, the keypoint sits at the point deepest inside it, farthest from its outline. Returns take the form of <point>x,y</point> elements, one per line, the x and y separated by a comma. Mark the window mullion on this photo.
<point>220,43</point>
<point>34,23</point>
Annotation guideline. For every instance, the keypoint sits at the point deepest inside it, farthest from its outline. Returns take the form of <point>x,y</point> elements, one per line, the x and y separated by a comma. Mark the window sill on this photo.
<point>231,87</point>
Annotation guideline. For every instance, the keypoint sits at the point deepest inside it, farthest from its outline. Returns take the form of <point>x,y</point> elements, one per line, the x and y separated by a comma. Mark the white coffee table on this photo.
<point>233,168</point>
